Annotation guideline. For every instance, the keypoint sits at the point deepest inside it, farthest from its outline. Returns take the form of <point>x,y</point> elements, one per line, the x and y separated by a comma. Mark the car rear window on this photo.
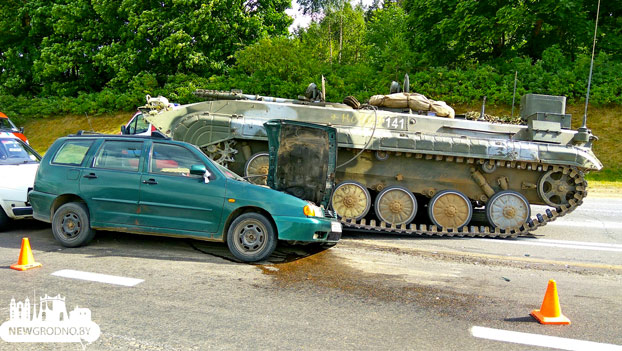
<point>122,155</point>
<point>72,152</point>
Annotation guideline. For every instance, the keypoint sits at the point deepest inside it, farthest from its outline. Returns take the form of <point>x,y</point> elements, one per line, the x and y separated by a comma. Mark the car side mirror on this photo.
<point>123,130</point>
<point>21,130</point>
<point>200,170</point>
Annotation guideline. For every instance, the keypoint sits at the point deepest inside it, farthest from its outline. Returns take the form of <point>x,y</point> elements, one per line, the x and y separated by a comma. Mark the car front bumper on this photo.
<point>309,229</point>
<point>17,209</point>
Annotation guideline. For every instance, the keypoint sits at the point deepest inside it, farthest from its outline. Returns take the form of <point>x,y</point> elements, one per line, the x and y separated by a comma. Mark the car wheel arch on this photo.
<point>63,199</point>
<point>241,210</point>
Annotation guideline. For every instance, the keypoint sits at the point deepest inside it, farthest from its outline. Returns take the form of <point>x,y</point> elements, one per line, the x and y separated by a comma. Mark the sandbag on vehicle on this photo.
<point>413,101</point>
<point>441,109</point>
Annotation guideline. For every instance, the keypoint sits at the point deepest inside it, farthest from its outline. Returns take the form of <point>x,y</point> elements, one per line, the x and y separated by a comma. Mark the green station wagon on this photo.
<point>158,186</point>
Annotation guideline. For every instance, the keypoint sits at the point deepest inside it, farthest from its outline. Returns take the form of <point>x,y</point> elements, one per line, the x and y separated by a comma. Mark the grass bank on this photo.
<point>41,132</point>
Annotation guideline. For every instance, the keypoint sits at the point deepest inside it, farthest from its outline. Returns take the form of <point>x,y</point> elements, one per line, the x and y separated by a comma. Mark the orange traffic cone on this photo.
<point>26,260</point>
<point>550,312</point>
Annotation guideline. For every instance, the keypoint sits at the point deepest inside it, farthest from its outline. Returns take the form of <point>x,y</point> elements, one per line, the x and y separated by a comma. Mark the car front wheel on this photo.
<point>251,237</point>
<point>71,225</point>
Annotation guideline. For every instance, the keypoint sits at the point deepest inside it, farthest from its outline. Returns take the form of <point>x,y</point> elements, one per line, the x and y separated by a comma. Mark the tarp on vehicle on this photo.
<point>414,101</point>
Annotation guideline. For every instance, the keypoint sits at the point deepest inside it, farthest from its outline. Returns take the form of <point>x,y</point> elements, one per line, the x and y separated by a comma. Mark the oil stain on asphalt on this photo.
<point>327,270</point>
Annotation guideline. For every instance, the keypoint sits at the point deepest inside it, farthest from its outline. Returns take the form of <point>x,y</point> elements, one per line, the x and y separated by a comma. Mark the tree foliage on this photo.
<point>451,32</point>
<point>92,56</point>
<point>63,47</point>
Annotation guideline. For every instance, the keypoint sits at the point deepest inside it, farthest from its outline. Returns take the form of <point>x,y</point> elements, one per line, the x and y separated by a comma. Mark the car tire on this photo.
<point>4,219</point>
<point>251,237</point>
<point>71,225</point>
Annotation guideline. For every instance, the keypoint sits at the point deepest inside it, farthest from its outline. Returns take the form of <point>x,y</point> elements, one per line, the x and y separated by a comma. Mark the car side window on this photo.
<point>72,152</point>
<point>173,160</point>
<point>141,124</point>
<point>118,154</point>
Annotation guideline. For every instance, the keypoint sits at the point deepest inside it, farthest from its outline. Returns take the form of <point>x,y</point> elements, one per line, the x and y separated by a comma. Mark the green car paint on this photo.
<point>157,186</point>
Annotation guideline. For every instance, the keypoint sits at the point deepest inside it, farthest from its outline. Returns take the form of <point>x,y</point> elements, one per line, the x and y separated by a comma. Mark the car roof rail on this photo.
<point>86,133</point>
<point>82,132</point>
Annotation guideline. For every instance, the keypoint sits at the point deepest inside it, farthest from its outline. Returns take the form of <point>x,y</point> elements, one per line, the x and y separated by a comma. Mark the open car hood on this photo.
<point>303,157</point>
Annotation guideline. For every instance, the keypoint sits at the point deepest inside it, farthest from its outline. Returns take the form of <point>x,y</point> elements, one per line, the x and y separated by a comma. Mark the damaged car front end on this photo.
<point>302,163</point>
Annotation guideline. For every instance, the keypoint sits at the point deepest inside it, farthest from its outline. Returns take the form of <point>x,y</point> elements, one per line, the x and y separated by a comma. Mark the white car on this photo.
<point>18,166</point>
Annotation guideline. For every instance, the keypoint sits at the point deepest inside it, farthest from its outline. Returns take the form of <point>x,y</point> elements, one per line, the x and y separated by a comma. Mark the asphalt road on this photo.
<point>368,292</point>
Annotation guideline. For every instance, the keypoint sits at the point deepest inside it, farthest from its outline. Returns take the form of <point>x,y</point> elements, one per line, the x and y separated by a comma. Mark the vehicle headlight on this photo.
<point>311,210</point>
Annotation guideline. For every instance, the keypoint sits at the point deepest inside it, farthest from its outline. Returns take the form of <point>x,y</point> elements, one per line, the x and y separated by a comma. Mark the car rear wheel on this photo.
<point>251,237</point>
<point>71,225</point>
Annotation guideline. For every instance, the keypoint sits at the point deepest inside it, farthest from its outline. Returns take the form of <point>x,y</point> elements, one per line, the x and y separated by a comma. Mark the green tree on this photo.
<point>64,47</point>
<point>339,37</point>
<point>388,39</point>
<point>450,31</point>
<point>22,27</point>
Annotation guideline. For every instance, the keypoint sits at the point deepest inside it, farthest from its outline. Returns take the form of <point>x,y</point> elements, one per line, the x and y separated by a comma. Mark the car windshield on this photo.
<point>228,173</point>
<point>14,151</point>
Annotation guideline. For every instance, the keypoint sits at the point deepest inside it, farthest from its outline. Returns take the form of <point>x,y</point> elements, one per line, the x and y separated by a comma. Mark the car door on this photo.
<point>172,198</point>
<point>112,182</point>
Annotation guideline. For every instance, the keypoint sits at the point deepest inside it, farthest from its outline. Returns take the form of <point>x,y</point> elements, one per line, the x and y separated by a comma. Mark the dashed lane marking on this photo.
<point>587,224</point>
<point>98,277</point>
<point>540,340</point>
<point>566,244</point>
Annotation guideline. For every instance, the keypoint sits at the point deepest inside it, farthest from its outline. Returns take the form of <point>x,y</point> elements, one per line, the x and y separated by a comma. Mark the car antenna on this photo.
<point>589,80</point>
<point>89,120</point>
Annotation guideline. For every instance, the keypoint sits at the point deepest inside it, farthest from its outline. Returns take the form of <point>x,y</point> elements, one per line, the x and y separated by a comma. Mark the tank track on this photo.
<point>535,222</point>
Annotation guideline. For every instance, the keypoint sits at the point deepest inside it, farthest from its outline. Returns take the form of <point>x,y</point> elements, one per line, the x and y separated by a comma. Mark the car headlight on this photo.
<point>311,210</point>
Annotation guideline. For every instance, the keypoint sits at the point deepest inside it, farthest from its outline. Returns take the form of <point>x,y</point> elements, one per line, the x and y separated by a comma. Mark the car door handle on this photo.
<point>90,176</point>
<point>150,181</point>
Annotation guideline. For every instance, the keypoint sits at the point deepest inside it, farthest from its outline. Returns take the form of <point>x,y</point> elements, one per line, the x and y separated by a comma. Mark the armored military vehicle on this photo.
<point>404,169</point>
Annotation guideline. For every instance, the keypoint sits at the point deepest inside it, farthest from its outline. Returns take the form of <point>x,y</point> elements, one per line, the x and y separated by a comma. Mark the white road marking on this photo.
<point>540,340</point>
<point>587,224</point>
<point>579,245</point>
<point>97,277</point>
<point>587,243</point>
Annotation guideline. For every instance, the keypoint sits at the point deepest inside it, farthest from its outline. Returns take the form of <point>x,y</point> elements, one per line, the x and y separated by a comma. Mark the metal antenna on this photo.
<point>483,112</point>
<point>514,95</point>
<point>589,80</point>
<point>89,120</point>
<point>323,93</point>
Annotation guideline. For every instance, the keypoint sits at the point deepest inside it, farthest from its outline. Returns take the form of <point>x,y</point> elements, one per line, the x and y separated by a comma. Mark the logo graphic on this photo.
<point>51,323</point>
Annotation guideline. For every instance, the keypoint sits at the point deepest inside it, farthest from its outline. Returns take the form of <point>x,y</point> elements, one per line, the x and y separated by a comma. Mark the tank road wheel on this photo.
<point>450,209</point>
<point>507,209</point>
<point>257,165</point>
<point>556,188</point>
<point>351,200</point>
<point>396,205</point>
